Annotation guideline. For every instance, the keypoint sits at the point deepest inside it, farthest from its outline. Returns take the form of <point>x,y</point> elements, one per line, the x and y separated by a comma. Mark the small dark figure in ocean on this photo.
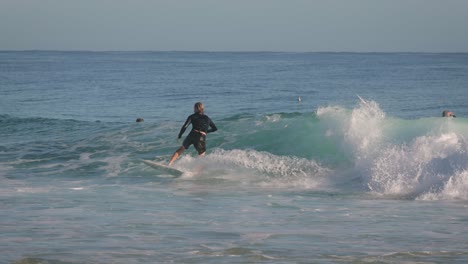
<point>140,119</point>
<point>201,125</point>
<point>447,113</point>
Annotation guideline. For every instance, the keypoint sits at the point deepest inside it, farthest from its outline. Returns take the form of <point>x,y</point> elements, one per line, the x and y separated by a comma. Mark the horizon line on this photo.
<point>227,51</point>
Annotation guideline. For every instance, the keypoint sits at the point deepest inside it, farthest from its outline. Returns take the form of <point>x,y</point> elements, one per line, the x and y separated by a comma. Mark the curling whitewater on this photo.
<point>425,158</point>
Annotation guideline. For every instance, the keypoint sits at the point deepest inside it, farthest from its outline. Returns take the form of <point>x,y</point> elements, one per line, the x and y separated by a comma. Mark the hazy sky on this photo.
<point>235,25</point>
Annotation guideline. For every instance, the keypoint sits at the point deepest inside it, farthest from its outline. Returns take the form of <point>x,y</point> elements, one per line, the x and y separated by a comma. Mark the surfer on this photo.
<point>447,113</point>
<point>201,125</point>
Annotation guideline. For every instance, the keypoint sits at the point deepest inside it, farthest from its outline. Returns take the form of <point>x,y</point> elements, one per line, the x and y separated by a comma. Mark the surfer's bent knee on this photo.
<point>181,149</point>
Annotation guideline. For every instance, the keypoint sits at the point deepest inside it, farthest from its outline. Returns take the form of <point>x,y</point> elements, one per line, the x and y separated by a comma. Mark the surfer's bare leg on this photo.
<point>177,153</point>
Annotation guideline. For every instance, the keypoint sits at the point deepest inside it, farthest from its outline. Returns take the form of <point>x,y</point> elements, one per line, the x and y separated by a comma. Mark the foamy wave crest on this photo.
<point>364,130</point>
<point>272,170</point>
<point>423,159</point>
<point>429,165</point>
<point>360,131</point>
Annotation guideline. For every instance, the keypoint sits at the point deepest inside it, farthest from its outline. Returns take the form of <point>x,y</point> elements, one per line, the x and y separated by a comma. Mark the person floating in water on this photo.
<point>201,125</point>
<point>447,113</point>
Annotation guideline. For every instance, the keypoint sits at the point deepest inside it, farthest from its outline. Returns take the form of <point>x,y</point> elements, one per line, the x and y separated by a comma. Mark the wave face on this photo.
<point>359,150</point>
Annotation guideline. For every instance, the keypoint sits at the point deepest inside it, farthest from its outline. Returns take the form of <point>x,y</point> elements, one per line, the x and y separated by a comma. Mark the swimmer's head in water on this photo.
<point>447,113</point>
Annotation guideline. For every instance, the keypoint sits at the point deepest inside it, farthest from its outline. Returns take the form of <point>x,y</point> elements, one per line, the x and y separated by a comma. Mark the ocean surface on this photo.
<point>319,158</point>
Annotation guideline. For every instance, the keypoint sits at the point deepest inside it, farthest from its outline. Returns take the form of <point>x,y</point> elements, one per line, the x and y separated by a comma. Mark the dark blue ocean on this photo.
<point>319,158</point>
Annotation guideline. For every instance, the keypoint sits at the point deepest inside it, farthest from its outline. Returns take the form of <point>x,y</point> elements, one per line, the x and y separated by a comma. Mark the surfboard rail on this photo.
<point>163,167</point>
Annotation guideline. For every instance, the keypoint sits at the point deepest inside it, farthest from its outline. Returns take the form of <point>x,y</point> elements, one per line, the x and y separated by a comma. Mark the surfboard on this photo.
<point>163,167</point>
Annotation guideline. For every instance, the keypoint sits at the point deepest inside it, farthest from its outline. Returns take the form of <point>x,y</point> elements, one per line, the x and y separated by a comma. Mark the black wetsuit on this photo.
<point>200,123</point>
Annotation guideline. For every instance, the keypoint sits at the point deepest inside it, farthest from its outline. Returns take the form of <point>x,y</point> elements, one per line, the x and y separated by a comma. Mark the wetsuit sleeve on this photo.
<point>212,128</point>
<point>184,127</point>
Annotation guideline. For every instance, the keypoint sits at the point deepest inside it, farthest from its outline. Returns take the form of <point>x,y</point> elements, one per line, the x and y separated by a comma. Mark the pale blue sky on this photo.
<point>235,25</point>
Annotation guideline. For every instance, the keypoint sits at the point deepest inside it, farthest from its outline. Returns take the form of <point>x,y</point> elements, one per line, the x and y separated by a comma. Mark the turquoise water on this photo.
<point>362,169</point>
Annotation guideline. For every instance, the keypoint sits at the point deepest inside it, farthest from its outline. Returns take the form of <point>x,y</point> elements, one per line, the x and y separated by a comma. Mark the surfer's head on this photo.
<point>199,108</point>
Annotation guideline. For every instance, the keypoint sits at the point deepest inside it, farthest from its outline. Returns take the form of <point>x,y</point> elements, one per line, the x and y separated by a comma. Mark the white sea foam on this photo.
<point>113,167</point>
<point>426,158</point>
<point>456,187</point>
<point>271,170</point>
<point>426,164</point>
